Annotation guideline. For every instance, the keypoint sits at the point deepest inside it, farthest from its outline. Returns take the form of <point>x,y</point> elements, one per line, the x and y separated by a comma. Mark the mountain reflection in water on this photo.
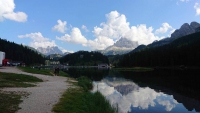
<point>129,97</point>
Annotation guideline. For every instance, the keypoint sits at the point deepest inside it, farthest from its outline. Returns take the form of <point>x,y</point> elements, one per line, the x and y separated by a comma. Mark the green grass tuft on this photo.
<point>17,80</point>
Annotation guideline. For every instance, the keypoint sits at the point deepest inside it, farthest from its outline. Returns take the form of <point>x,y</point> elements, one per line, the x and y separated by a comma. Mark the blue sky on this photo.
<point>75,25</point>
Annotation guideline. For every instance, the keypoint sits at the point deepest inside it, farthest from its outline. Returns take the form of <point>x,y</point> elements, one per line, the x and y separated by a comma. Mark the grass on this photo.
<point>17,80</point>
<point>85,83</point>
<point>80,100</point>
<point>9,102</point>
<point>37,71</point>
<point>135,69</point>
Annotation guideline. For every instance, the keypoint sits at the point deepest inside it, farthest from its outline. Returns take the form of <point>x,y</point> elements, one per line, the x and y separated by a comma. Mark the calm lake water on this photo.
<point>129,96</point>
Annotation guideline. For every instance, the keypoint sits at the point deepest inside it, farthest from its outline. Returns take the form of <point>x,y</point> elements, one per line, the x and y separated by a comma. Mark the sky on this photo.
<point>89,25</point>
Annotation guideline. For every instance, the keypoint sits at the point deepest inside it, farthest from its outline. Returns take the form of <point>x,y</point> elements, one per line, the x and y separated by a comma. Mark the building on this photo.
<point>48,62</point>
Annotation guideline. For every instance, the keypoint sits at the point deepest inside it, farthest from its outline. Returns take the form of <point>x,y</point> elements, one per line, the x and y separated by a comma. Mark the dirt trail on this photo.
<point>43,96</point>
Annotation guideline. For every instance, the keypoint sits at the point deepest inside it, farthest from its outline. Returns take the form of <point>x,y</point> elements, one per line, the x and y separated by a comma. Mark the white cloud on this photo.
<point>184,0</point>
<point>60,27</point>
<point>64,50</point>
<point>7,11</point>
<point>168,105</point>
<point>75,37</point>
<point>142,34</point>
<point>115,27</point>
<point>100,43</point>
<point>85,28</point>
<point>38,40</point>
<point>197,8</point>
<point>165,27</point>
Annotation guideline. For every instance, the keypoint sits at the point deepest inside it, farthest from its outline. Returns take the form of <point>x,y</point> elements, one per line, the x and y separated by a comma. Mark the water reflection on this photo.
<point>129,97</point>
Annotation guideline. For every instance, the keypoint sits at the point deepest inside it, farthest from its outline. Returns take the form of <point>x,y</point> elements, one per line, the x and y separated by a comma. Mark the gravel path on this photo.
<point>43,96</point>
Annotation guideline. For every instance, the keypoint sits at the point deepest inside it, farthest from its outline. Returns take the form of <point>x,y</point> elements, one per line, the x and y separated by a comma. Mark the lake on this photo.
<point>158,91</point>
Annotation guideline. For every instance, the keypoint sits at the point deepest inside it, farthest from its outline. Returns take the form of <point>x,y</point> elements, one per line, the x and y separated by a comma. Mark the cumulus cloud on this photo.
<point>197,8</point>
<point>165,27</point>
<point>38,40</point>
<point>100,43</point>
<point>60,27</point>
<point>115,27</point>
<point>74,37</point>
<point>85,28</point>
<point>7,11</point>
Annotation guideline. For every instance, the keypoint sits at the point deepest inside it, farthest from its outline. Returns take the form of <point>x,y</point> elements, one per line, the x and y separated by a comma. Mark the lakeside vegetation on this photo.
<point>9,101</point>
<point>79,99</point>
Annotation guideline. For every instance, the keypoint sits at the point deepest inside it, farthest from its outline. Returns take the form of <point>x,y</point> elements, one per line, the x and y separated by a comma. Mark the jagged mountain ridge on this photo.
<point>185,29</point>
<point>50,50</point>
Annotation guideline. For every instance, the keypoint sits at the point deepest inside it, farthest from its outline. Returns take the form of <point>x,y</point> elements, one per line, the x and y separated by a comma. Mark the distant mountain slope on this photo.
<point>16,52</point>
<point>35,50</point>
<point>184,30</point>
<point>122,46</point>
<point>182,51</point>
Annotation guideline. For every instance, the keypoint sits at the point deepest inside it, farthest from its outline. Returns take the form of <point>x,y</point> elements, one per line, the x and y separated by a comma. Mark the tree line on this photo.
<point>20,53</point>
<point>84,58</point>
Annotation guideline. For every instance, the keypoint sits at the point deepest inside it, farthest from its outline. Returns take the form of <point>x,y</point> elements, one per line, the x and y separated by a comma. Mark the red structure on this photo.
<point>6,62</point>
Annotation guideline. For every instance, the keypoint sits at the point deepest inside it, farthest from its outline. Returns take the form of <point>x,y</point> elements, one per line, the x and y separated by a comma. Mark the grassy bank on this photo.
<point>42,71</point>
<point>80,100</point>
<point>36,71</point>
<point>9,101</point>
<point>17,80</point>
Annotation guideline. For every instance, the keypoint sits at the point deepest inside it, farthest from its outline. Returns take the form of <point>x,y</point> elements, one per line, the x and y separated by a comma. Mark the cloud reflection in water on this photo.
<point>126,94</point>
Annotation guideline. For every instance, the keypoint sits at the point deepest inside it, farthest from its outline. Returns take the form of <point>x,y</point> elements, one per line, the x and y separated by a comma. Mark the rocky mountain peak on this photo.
<point>122,46</point>
<point>185,29</point>
<point>124,42</point>
<point>194,25</point>
<point>50,50</point>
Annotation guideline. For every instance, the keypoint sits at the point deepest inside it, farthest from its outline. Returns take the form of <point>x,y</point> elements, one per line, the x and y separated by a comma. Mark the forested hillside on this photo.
<point>17,52</point>
<point>182,51</point>
<point>84,58</point>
